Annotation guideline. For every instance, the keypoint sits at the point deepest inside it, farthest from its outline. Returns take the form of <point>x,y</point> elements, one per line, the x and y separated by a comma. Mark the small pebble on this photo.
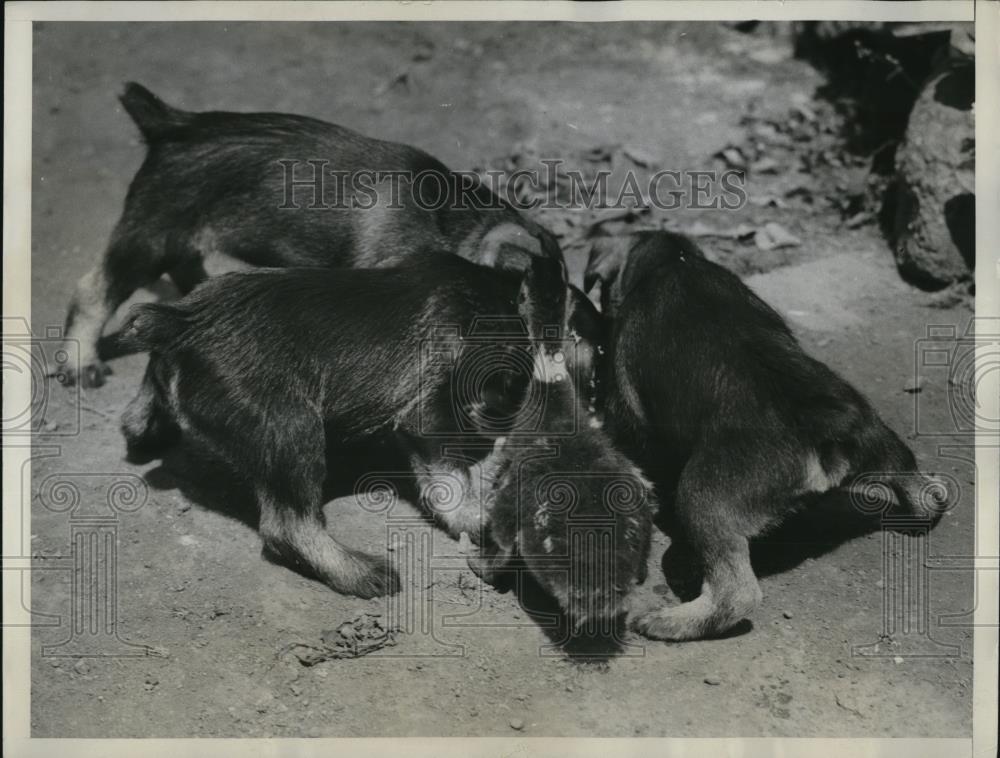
<point>713,680</point>
<point>897,660</point>
<point>786,614</point>
<point>81,667</point>
<point>516,723</point>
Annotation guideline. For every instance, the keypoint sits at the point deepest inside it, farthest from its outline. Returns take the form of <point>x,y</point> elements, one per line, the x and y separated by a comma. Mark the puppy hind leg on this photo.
<point>888,468</point>
<point>128,264</point>
<point>89,310</point>
<point>146,422</point>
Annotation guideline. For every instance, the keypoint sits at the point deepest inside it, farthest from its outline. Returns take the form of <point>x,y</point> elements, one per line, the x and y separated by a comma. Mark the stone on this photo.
<point>933,230</point>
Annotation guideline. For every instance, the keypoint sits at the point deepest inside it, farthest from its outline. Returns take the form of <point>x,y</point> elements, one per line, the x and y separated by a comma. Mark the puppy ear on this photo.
<point>607,255</point>
<point>542,300</point>
<point>508,246</point>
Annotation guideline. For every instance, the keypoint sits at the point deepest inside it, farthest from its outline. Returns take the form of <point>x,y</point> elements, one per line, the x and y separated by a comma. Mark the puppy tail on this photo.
<point>152,326</point>
<point>156,120</point>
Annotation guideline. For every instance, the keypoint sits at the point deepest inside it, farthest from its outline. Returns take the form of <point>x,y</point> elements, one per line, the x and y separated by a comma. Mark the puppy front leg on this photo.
<point>717,525</point>
<point>729,593</point>
<point>282,451</point>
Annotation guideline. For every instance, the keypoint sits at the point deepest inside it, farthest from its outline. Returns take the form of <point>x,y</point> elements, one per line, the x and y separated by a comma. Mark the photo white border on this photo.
<point>17,299</point>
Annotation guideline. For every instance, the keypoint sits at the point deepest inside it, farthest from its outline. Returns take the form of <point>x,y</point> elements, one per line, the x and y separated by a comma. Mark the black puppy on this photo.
<point>265,368</point>
<point>708,388</point>
<point>279,190</point>
<point>564,500</point>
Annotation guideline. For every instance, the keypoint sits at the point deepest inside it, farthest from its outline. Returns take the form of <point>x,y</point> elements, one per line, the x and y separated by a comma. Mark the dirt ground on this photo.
<point>192,583</point>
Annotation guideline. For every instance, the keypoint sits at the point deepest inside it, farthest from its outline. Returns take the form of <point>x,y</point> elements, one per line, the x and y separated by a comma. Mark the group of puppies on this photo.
<point>685,392</point>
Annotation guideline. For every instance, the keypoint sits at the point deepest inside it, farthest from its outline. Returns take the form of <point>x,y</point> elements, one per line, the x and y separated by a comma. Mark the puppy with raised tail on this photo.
<point>279,190</point>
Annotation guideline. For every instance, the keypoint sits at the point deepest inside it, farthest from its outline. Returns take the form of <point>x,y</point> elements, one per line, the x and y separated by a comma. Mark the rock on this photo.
<point>772,236</point>
<point>765,165</point>
<point>81,667</point>
<point>787,614</point>
<point>914,385</point>
<point>933,230</point>
<point>712,680</point>
<point>516,724</point>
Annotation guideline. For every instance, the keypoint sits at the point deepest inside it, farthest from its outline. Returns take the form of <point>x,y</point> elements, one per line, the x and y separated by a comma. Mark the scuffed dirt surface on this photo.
<point>192,583</point>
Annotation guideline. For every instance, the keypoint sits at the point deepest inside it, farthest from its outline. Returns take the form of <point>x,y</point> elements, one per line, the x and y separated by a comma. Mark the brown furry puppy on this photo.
<point>710,391</point>
<point>269,368</point>
<point>565,501</point>
<point>275,189</point>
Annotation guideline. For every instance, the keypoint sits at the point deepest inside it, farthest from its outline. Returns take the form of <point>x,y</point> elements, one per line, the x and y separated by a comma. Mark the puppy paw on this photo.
<point>671,624</point>
<point>376,578</point>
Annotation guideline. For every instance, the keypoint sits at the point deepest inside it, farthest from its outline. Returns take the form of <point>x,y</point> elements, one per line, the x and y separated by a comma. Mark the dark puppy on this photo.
<point>265,368</point>
<point>564,500</point>
<point>279,190</point>
<point>709,389</point>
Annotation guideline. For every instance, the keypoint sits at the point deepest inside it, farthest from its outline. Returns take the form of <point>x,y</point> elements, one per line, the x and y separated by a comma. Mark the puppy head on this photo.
<point>587,514</point>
